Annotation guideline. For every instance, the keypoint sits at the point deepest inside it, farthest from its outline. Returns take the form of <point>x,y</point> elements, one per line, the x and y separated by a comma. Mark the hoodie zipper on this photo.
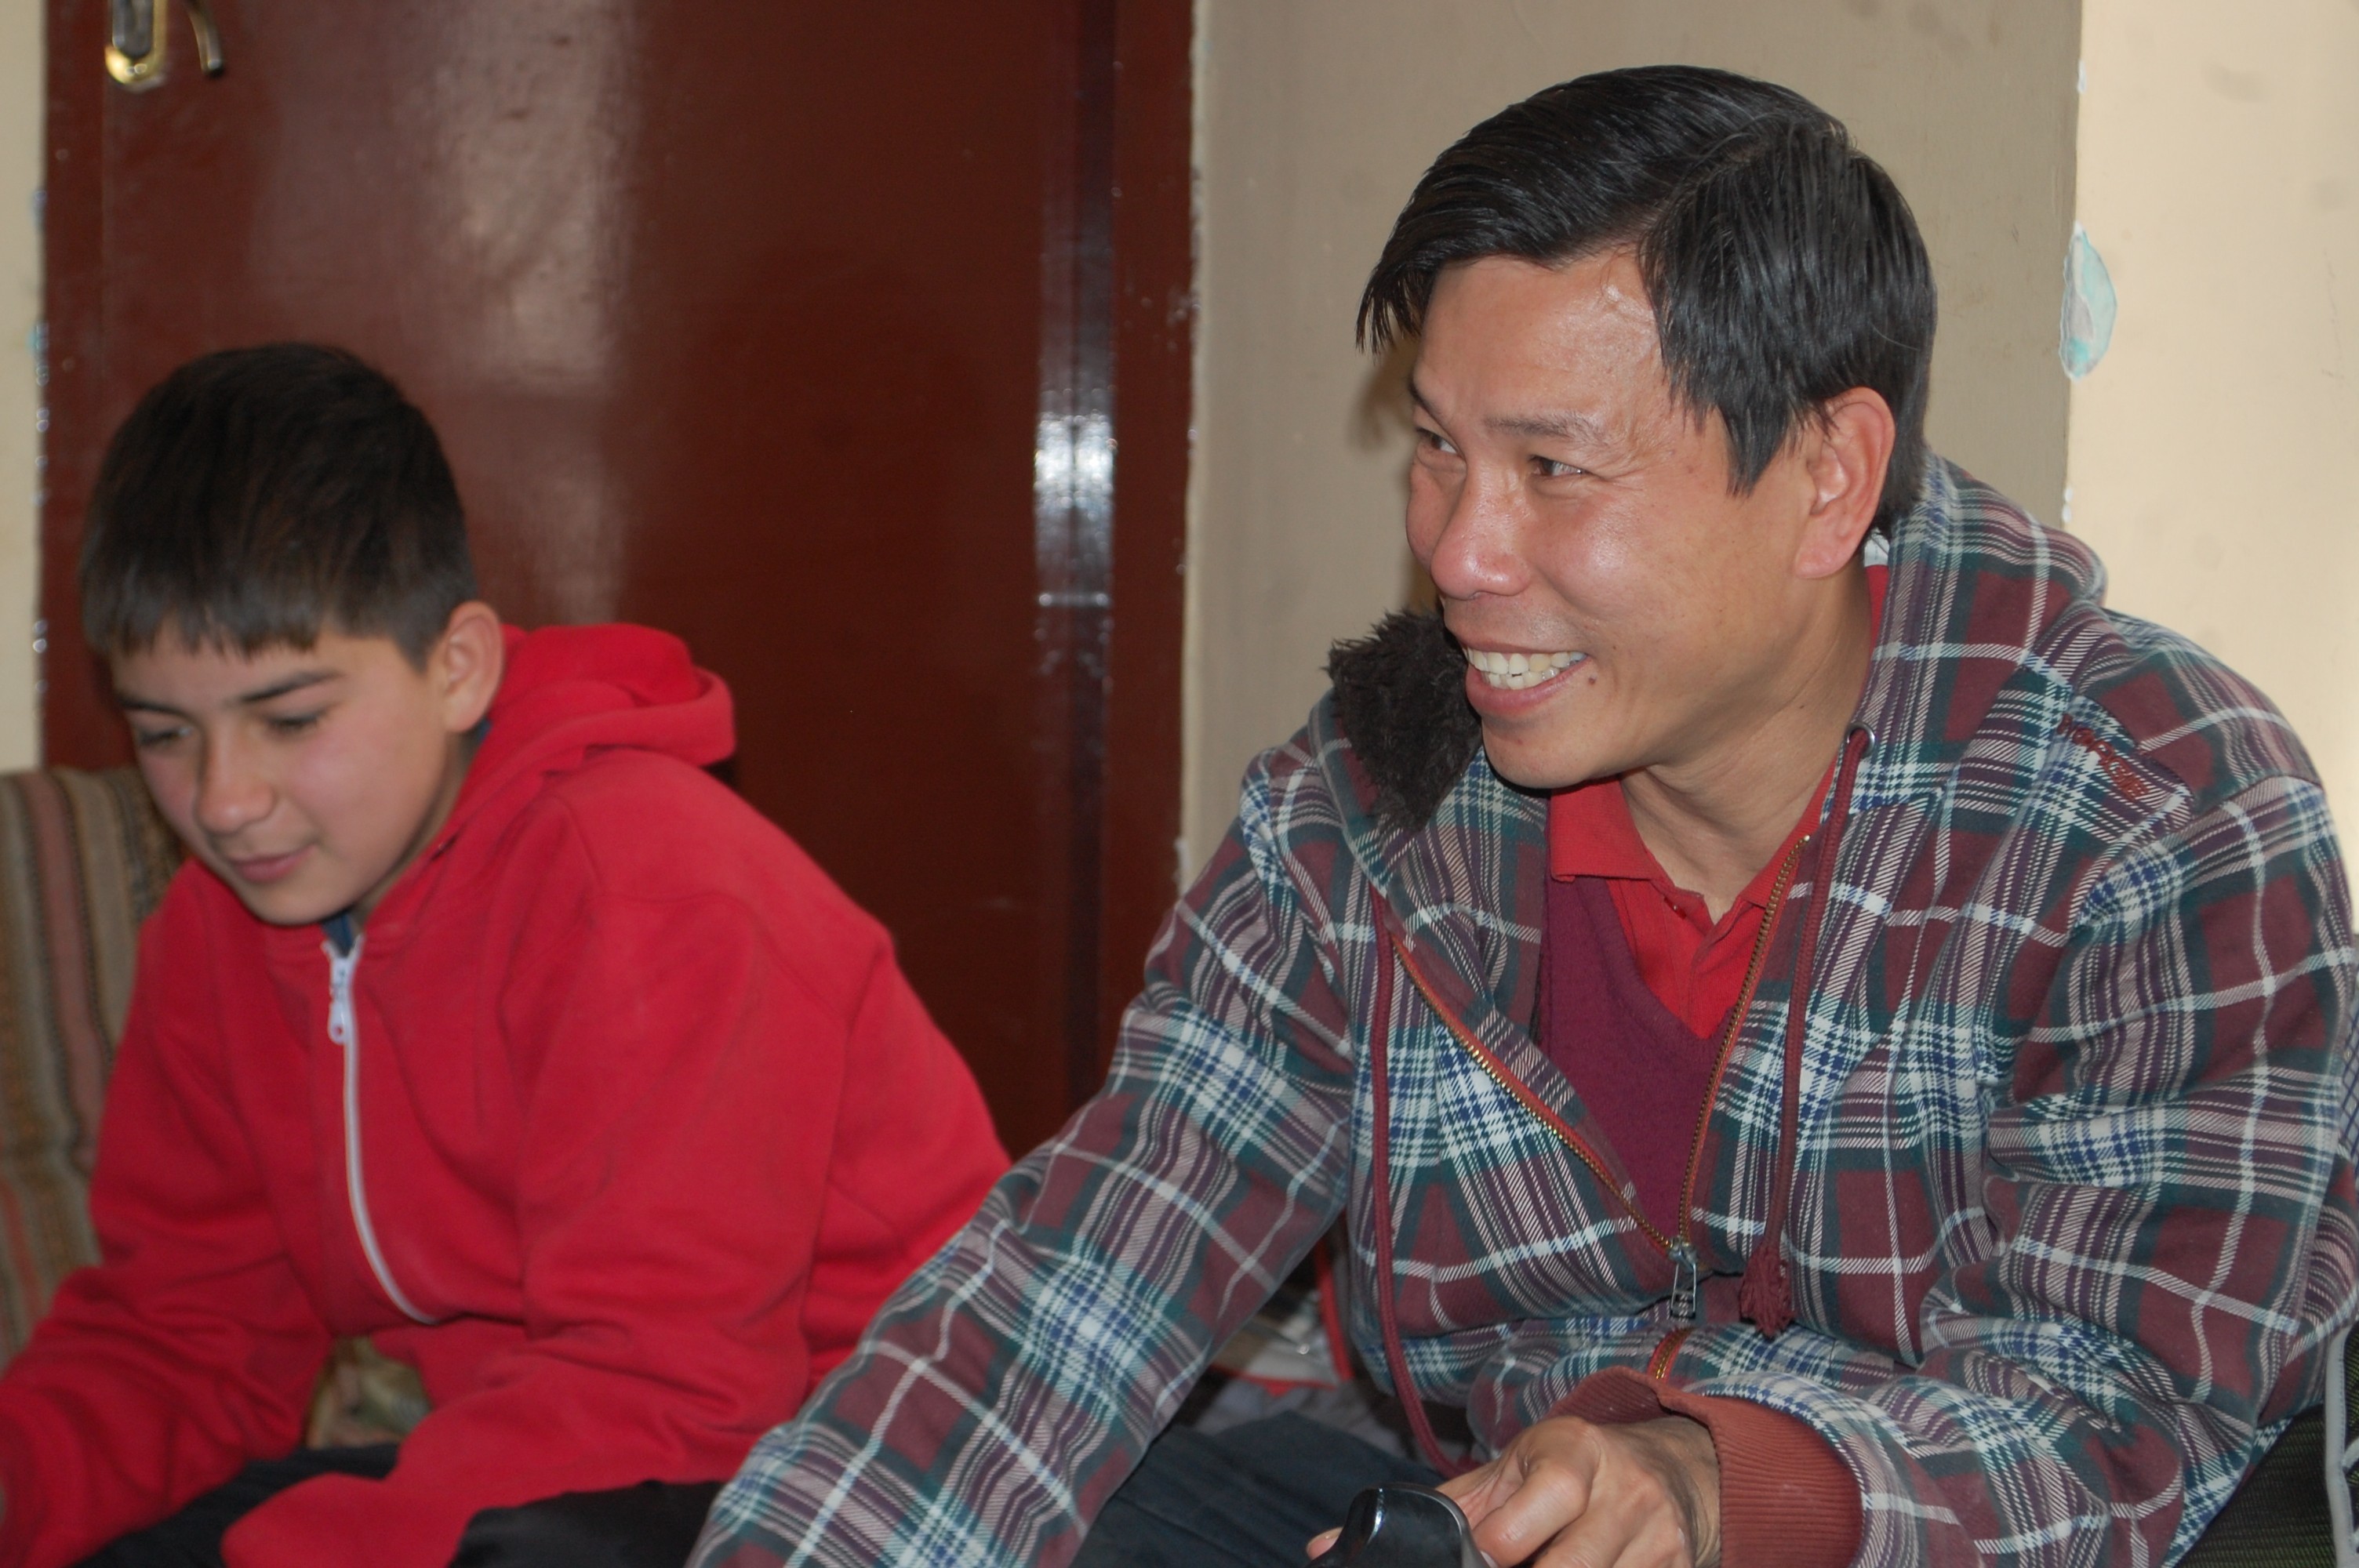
<point>344,1031</point>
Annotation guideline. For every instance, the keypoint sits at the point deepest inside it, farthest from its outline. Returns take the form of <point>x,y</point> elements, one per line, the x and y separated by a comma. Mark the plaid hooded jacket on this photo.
<point>2070,1222</point>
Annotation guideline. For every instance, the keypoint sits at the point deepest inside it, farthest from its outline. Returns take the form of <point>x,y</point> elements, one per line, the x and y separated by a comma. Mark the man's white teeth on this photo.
<point>1516,671</point>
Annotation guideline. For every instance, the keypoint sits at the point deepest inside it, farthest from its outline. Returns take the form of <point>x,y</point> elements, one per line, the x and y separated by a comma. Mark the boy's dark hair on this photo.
<point>1783,265</point>
<point>256,497</point>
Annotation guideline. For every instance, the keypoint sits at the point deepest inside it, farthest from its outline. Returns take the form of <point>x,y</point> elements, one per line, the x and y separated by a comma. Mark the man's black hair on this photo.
<point>256,497</point>
<point>1782,264</point>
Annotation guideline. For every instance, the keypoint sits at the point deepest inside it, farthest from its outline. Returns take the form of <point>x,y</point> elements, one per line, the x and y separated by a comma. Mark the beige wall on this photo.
<point>2215,452</point>
<point>21,308</point>
<point>1314,119</point>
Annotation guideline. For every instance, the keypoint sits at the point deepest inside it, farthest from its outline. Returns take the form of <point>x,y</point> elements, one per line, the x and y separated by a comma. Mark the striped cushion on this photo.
<point>83,858</point>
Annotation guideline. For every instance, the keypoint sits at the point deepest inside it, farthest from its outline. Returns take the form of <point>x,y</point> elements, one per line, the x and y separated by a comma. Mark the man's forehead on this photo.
<point>1567,351</point>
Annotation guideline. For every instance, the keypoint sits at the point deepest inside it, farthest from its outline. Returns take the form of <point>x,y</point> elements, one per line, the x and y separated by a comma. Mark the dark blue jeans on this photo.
<point>1248,1497</point>
<point>652,1525</point>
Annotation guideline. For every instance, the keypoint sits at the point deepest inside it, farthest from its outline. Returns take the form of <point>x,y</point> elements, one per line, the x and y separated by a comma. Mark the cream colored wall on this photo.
<point>2214,451</point>
<point>21,308</point>
<point>1314,119</point>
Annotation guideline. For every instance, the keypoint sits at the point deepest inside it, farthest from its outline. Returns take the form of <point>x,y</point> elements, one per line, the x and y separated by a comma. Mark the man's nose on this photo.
<point>1479,549</point>
<point>231,793</point>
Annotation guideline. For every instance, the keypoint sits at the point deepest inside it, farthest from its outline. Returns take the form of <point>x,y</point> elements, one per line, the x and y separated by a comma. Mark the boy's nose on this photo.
<point>230,795</point>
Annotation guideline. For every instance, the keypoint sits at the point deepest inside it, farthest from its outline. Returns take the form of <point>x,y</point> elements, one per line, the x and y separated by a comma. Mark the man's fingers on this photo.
<point>1321,1542</point>
<point>1546,1498</point>
<point>1485,1487</point>
<point>1614,1535</point>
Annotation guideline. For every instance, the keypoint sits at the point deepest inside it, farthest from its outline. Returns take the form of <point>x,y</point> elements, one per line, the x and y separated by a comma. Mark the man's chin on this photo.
<point>1544,763</point>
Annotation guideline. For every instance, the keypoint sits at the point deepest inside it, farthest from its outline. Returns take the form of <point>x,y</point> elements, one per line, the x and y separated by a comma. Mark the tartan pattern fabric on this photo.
<point>2340,1458</point>
<point>2071,1228</point>
<point>83,858</point>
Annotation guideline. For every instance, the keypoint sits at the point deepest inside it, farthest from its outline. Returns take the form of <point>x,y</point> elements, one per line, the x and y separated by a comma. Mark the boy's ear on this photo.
<point>466,664</point>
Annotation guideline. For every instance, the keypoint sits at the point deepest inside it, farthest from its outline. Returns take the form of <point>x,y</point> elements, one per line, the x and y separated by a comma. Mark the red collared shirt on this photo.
<point>1694,965</point>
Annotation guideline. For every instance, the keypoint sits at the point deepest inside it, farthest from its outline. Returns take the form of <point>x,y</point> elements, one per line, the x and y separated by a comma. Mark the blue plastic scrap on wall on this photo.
<point>2086,329</point>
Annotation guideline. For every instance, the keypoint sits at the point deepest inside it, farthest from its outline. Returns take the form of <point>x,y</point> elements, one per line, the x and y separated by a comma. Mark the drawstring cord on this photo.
<point>1766,1296</point>
<point>1380,1199</point>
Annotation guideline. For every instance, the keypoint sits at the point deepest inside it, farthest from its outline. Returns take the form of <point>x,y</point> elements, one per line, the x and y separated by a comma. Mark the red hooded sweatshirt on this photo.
<point>619,1126</point>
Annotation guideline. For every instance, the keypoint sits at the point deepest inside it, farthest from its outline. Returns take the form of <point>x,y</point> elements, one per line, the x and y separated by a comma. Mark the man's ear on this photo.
<point>1846,449</point>
<point>466,664</point>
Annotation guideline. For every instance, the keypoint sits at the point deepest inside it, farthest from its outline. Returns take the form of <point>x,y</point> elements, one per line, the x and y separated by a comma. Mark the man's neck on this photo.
<point>1713,820</point>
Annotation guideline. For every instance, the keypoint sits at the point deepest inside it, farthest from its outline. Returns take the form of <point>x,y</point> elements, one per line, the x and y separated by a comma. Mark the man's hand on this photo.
<point>1568,1494</point>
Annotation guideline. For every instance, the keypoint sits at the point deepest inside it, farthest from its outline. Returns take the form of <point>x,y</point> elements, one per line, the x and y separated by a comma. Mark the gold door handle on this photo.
<point>137,28</point>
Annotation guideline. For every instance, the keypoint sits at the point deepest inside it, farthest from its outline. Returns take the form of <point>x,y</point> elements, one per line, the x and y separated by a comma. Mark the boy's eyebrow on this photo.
<point>278,688</point>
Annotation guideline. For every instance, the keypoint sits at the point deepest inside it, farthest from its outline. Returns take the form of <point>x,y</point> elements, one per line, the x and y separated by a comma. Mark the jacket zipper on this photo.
<point>344,1031</point>
<point>1686,1265</point>
<point>1686,1269</point>
<point>1728,1034</point>
<point>1530,1102</point>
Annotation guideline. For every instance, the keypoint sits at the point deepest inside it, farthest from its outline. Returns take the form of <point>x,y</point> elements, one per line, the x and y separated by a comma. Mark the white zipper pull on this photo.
<point>340,965</point>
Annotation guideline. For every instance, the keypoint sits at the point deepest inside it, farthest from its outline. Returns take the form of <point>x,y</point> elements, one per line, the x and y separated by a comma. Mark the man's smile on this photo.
<point>1517,672</point>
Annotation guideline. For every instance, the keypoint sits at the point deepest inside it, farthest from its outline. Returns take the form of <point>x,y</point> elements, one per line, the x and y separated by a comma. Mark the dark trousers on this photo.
<point>652,1525</point>
<point>1248,1497</point>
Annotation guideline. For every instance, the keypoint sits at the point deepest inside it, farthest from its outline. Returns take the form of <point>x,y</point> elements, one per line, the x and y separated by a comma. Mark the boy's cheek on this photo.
<point>170,788</point>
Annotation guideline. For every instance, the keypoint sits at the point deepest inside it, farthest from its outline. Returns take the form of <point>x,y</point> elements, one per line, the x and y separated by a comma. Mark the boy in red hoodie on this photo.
<point>481,1022</point>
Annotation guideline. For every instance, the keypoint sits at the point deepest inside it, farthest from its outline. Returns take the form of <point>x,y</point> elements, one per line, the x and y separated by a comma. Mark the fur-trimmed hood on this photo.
<point>1400,695</point>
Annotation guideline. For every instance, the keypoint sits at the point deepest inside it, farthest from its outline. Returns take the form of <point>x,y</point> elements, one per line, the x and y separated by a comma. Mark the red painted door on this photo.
<point>847,342</point>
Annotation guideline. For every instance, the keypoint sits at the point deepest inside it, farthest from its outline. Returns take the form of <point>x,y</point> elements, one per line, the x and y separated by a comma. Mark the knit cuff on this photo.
<point>1786,1500</point>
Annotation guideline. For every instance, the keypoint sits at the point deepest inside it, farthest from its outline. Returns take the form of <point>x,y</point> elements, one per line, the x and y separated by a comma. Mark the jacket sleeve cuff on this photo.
<point>1786,1500</point>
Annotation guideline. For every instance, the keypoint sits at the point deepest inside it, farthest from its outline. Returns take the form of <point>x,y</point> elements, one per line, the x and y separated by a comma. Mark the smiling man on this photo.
<point>1831,1045</point>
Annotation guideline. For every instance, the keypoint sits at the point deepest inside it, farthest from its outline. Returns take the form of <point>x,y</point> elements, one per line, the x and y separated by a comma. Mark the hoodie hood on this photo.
<point>572,691</point>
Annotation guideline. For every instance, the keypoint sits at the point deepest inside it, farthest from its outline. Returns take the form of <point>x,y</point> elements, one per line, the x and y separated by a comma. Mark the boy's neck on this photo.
<point>446,800</point>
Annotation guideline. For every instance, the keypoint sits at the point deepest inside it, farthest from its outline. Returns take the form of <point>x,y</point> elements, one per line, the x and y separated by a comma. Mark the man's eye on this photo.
<point>291,723</point>
<point>152,740</point>
<point>1432,441</point>
<point>1548,467</point>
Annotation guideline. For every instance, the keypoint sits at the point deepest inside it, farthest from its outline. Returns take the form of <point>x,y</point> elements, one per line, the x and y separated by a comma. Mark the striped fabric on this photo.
<point>83,858</point>
<point>2072,1229</point>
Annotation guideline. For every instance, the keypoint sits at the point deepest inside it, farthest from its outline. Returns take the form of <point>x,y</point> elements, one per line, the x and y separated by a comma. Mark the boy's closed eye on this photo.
<point>149,738</point>
<point>291,724</point>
